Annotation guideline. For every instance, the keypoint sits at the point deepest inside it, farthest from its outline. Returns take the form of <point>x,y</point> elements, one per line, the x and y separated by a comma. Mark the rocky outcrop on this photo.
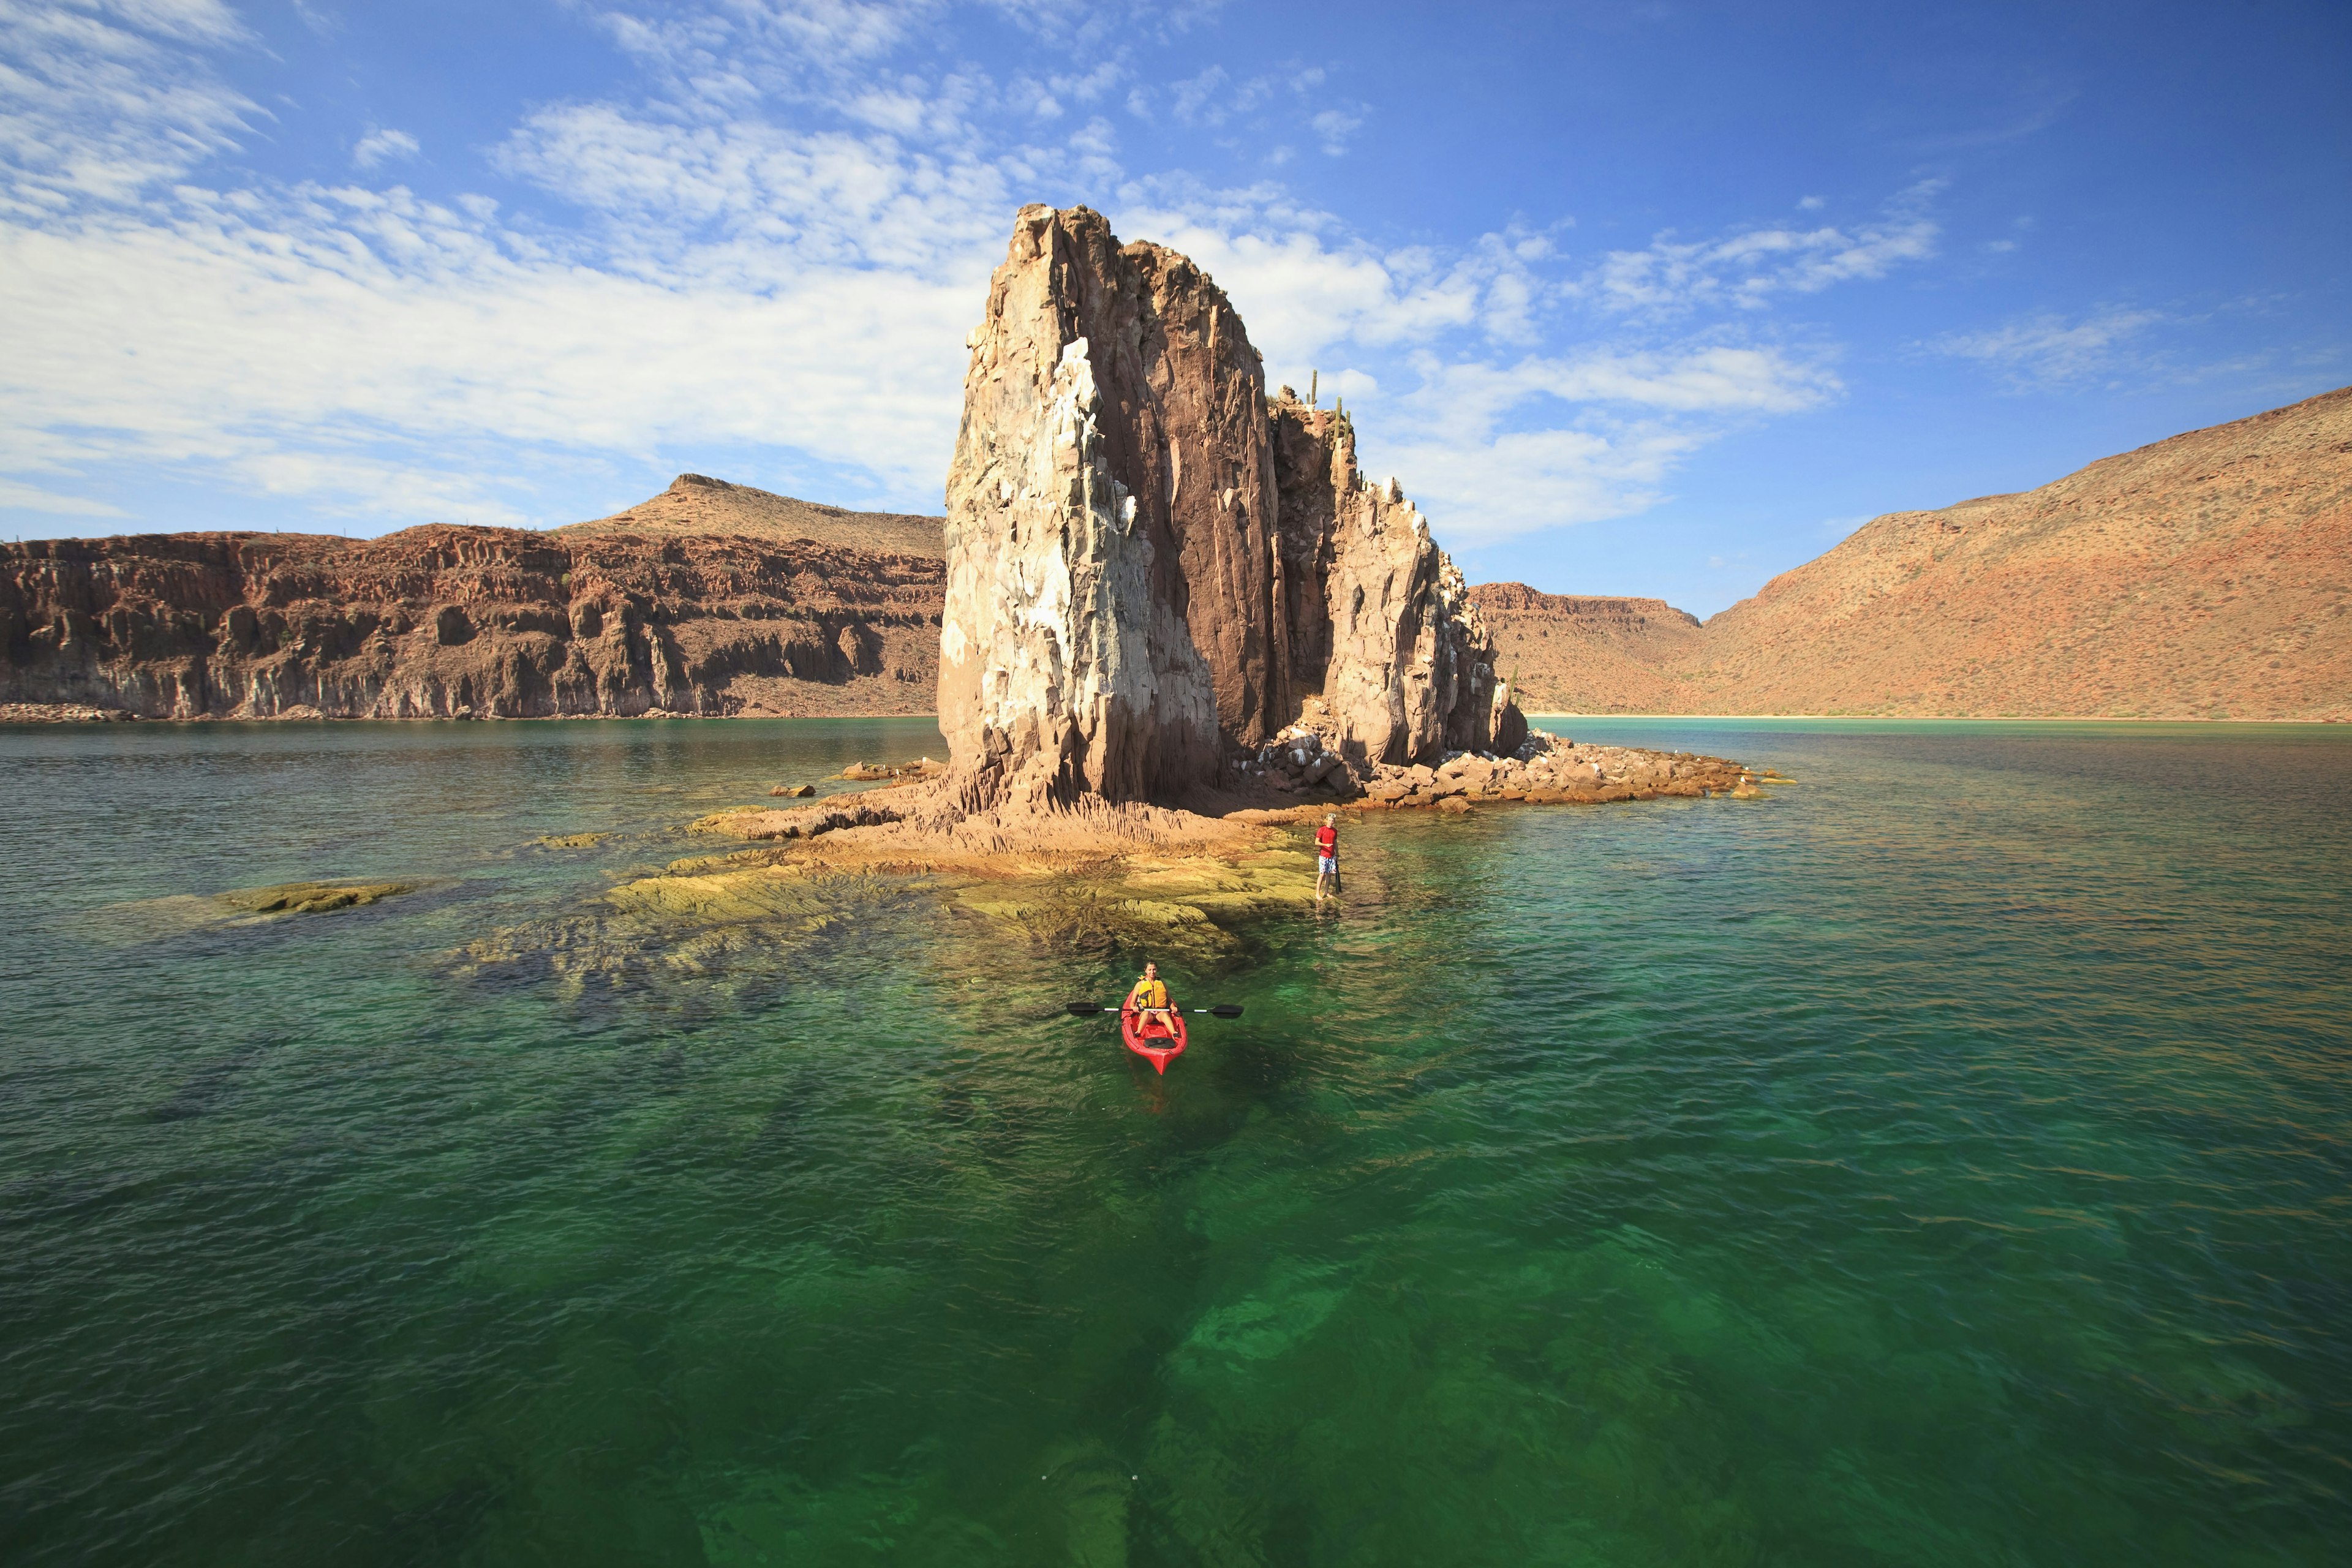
<point>1376,620</point>
<point>446,621</point>
<point>310,898</point>
<point>1152,566</point>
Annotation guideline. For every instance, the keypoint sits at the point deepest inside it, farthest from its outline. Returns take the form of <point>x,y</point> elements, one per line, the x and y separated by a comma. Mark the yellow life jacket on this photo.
<point>1150,994</point>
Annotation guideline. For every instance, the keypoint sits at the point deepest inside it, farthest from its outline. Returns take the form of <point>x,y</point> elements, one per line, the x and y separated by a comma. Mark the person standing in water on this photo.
<point>1327,856</point>
<point>1149,1000</point>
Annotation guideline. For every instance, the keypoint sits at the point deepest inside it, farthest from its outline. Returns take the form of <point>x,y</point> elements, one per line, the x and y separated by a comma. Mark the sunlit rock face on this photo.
<point>449,622</point>
<point>1107,513</point>
<point>1151,565</point>
<point>1379,621</point>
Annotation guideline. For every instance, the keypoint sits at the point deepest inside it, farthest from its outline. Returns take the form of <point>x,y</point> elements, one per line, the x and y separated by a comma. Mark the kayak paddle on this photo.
<point>1088,1009</point>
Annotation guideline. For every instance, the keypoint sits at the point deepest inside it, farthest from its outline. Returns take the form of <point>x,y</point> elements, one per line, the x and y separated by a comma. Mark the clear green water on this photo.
<point>1944,1161</point>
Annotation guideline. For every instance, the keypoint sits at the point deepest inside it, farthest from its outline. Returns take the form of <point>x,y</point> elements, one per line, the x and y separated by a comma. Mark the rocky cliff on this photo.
<point>1373,618</point>
<point>1152,567</point>
<point>451,622</point>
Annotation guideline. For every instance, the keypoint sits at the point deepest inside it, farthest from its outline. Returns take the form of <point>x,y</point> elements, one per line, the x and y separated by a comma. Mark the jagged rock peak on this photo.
<point>1143,549</point>
<point>1377,620</point>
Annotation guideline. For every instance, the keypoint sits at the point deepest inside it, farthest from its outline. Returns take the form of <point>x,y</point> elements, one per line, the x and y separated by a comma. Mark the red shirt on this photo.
<point>1327,839</point>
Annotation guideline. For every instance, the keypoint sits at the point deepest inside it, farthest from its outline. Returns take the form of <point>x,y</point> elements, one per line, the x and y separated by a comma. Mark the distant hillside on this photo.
<point>1588,655</point>
<point>695,504</point>
<point>2207,575</point>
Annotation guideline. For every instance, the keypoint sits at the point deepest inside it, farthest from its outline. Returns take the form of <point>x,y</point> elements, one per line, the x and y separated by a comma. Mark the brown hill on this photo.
<point>697,504</point>
<point>443,621</point>
<point>1569,655</point>
<point>2203,576</point>
<point>2206,576</point>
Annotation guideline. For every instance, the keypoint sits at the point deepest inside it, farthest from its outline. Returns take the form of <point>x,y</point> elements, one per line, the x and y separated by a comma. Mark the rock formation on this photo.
<point>1376,620</point>
<point>442,622</point>
<point>1152,566</point>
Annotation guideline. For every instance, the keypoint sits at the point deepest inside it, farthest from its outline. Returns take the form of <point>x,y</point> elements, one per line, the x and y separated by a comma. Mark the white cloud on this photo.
<point>92,107</point>
<point>191,21</point>
<point>1703,379</point>
<point>1607,427</point>
<point>777,249</point>
<point>1498,448</point>
<point>2049,351</point>
<point>776,199</point>
<point>1090,87</point>
<point>380,352</point>
<point>371,352</point>
<point>1300,283</point>
<point>17,497</point>
<point>1333,127</point>
<point>1213,97</point>
<point>1744,270</point>
<point>379,147</point>
<point>1524,481</point>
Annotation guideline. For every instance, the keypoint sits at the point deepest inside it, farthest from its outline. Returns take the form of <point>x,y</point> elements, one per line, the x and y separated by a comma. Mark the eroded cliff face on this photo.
<point>1152,566</point>
<point>446,622</point>
<point>1107,510</point>
<point>1378,622</point>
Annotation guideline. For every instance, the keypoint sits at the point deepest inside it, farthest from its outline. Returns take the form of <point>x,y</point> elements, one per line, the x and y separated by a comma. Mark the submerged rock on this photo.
<point>310,897</point>
<point>60,713</point>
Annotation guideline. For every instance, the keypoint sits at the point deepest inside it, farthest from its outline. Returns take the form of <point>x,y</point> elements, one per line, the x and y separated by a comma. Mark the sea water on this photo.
<point>1942,1160</point>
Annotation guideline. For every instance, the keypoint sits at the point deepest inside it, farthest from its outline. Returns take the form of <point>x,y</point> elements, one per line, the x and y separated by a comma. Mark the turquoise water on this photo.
<point>1943,1161</point>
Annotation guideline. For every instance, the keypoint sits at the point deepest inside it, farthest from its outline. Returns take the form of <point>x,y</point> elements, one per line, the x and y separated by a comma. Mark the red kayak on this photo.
<point>1155,1043</point>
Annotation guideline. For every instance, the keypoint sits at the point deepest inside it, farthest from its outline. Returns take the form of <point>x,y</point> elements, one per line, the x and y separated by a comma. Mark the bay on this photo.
<point>1942,1160</point>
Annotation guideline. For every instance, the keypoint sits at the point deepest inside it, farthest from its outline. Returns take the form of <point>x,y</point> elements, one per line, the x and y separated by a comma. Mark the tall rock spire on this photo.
<point>1150,566</point>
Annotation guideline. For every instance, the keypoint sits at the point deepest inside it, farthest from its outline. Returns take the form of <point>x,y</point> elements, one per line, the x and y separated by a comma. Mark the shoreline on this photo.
<point>1933,718</point>
<point>32,714</point>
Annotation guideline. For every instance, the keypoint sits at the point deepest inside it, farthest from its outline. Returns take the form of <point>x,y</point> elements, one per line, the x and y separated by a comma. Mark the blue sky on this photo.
<point>1645,299</point>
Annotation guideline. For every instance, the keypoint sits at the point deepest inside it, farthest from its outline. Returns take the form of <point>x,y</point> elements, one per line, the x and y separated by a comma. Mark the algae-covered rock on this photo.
<point>572,840</point>
<point>794,792</point>
<point>729,821</point>
<point>725,894</point>
<point>310,897</point>
<point>1189,906</point>
<point>703,917</point>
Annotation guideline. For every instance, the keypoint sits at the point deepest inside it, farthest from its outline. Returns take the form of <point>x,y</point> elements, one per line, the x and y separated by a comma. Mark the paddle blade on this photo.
<point>1087,1010</point>
<point>1229,1010</point>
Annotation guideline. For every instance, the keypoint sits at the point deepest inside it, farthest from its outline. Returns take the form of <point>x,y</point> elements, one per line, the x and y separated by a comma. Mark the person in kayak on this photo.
<point>1149,1000</point>
<point>1327,856</point>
